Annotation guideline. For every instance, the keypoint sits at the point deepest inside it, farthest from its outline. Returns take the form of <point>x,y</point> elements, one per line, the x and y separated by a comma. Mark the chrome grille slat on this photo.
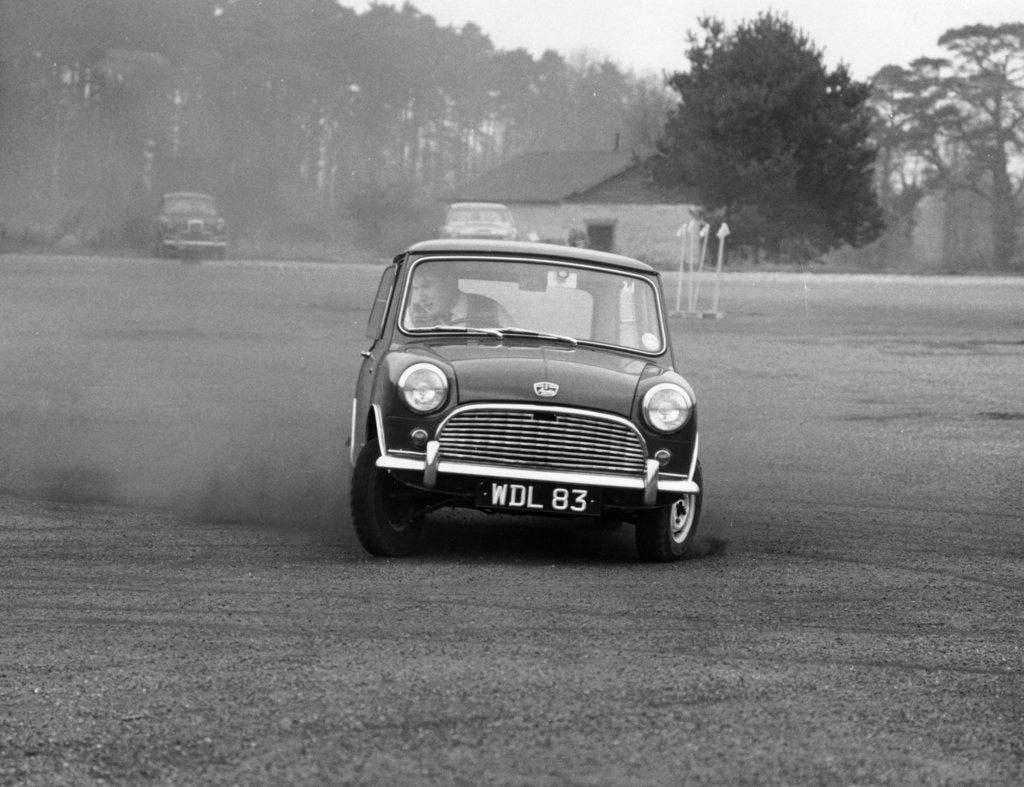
<point>546,438</point>
<point>532,438</point>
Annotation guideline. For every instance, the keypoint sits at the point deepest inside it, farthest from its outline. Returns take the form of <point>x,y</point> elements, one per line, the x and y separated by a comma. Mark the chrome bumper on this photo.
<point>431,465</point>
<point>181,243</point>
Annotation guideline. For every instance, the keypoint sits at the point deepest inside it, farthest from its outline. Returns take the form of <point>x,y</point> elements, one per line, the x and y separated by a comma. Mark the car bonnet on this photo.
<point>544,374</point>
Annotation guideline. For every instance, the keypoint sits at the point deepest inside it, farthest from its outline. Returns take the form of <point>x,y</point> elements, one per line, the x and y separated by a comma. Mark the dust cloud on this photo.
<point>221,391</point>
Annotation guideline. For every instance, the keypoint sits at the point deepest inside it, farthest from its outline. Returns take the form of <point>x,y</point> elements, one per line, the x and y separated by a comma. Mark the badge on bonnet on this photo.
<point>547,390</point>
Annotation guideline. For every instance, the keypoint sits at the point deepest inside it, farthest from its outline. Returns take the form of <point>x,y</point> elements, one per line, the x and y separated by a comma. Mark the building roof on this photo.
<point>551,176</point>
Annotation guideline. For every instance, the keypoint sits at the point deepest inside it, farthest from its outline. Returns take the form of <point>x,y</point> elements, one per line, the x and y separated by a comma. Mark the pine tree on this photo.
<point>775,144</point>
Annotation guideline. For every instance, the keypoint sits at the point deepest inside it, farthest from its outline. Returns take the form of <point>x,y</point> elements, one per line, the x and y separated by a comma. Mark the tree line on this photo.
<point>952,128</point>
<point>296,113</point>
<point>309,121</point>
<point>799,159</point>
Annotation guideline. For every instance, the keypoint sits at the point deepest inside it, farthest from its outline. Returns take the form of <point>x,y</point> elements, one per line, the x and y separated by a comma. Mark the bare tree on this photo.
<point>965,117</point>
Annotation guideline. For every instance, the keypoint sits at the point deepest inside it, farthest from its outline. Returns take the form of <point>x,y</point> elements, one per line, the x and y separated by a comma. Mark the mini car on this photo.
<point>188,225</point>
<point>483,220</point>
<point>522,379</point>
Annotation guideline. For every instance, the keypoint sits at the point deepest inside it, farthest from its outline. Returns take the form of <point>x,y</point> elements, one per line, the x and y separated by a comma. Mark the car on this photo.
<point>521,378</point>
<point>483,220</point>
<point>188,225</point>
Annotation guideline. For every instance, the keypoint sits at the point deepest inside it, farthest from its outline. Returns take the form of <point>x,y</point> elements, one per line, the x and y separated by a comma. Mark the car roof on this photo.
<point>528,249</point>
<point>478,205</point>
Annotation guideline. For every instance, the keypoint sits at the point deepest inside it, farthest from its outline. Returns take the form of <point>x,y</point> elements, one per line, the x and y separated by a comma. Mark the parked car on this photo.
<point>188,224</point>
<point>484,220</point>
<point>522,378</point>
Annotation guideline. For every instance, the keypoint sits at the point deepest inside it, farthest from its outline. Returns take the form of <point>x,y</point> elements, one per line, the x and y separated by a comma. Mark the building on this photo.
<point>606,197</point>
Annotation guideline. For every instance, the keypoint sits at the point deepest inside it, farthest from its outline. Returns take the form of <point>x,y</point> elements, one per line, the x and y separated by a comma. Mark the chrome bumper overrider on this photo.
<point>431,466</point>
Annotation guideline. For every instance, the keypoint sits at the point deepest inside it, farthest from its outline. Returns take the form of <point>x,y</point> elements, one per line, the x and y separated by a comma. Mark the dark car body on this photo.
<point>188,224</point>
<point>574,406</point>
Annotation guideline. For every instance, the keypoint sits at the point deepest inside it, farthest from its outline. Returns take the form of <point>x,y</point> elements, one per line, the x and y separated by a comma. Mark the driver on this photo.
<point>437,300</point>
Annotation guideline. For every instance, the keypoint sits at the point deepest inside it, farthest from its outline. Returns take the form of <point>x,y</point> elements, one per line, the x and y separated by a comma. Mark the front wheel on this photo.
<point>666,534</point>
<point>384,512</point>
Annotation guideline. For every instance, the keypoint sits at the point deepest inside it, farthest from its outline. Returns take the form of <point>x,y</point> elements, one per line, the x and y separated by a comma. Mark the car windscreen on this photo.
<point>195,205</point>
<point>579,302</point>
<point>479,216</point>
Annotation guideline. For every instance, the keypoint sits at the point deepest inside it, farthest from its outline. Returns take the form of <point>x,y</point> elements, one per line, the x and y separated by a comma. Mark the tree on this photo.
<point>291,112</point>
<point>904,131</point>
<point>978,107</point>
<point>773,142</point>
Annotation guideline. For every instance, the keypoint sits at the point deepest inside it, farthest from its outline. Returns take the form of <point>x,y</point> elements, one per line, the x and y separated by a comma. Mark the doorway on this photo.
<point>601,235</point>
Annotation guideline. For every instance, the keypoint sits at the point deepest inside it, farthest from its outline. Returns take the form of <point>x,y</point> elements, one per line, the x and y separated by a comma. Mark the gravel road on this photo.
<point>182,600</point>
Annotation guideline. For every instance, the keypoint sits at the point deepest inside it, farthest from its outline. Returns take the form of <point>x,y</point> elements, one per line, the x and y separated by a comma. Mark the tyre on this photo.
<point>384,512</point>
<point>666,534</point>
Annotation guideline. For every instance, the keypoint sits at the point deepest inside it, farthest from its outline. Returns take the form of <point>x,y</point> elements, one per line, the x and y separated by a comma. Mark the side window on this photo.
<point>638,318</point>
<point>375,324</point>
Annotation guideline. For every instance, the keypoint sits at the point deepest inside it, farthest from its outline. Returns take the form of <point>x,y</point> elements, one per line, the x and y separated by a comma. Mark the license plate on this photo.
<point>542,498</point>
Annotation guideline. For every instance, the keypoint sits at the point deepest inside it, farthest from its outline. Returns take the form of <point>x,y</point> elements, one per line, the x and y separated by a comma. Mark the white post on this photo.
<point>681,233</point>
<point>692,254</point>
<point>700,248</point>
<point>722,234</point>
<point>705,233</point>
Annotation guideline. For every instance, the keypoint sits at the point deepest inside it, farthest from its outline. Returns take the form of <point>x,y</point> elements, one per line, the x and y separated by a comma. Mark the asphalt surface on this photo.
<point>182,599</point>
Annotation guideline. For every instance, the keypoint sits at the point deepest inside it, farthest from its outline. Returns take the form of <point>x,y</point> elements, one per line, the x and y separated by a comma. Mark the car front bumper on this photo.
<point>181,244</point>
<point>432,466</point>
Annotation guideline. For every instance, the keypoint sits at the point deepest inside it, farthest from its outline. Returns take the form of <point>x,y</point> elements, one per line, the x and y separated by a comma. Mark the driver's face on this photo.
<point>433,295</point>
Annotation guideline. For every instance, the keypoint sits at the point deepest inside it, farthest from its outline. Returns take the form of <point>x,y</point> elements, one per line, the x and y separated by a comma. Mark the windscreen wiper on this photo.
<point>497,334</point>
<point>555,337</point>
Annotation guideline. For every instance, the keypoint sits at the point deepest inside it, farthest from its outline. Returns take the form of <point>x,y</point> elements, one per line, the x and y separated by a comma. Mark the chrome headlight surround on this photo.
<point>423,388</point>
<point>667,407</point>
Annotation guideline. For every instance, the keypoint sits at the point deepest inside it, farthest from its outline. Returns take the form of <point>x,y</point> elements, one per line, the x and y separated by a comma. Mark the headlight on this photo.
<point>424,387</point>
<point>667,407</point>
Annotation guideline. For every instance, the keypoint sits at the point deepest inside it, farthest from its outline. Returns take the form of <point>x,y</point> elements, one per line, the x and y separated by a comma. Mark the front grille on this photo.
<point>548,439</point>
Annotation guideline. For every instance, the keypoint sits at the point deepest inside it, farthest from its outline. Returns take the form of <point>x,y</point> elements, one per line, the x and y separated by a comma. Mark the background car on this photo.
<point>483,220</point>
<point>522,378</point>
<point>188,225</point>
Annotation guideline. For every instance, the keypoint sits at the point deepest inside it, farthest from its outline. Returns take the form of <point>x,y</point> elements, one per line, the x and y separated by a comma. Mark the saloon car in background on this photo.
<point>522,378</point>
<point>188,225</point>
<point>483,220</point>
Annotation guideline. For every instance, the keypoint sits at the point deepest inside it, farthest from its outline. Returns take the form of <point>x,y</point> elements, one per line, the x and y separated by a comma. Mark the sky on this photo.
<point>649,36</point>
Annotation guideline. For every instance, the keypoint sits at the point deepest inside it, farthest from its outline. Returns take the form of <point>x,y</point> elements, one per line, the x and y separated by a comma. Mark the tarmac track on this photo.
<point>182,599</point>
